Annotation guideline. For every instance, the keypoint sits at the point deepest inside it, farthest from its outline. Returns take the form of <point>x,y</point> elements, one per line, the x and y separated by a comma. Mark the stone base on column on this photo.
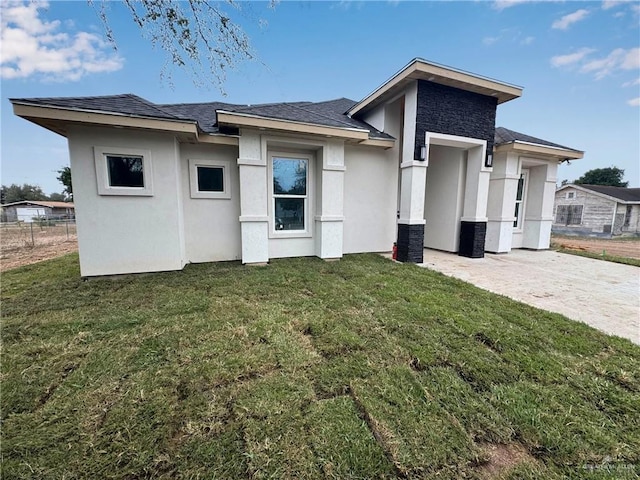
<point>472,238</point>
<point>410,243</point>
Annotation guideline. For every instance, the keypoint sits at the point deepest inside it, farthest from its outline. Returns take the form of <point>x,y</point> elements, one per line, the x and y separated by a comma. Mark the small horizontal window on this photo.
<point>123,171</point>
<point>209,178</point>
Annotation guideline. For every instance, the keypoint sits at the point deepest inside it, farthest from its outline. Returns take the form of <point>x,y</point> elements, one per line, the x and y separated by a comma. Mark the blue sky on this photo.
<point>579,64</point>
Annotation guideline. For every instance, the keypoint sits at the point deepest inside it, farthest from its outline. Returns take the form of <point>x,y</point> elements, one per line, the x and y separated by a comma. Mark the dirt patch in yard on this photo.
<point>629,248</point>
<point>24,244</point>
<point>503,458</point>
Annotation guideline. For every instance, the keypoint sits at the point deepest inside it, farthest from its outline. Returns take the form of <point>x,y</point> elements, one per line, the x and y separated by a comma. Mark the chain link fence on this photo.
<point>40,231</point>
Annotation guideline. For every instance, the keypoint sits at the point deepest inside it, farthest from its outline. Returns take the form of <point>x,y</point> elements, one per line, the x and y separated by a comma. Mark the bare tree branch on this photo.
<point>198,35</point>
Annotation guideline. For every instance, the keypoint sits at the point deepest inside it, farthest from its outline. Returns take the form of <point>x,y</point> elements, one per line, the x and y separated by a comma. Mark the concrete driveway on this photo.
<point>602,294</point>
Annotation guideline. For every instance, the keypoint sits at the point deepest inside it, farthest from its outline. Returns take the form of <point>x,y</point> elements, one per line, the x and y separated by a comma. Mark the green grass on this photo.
<point>599,256</point>
<point>356,369</point>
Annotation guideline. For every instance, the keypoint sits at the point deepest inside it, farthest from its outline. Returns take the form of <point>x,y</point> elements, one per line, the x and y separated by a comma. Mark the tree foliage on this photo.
<point>58,197</point>
<point>199,35</point>
<point>611,176</point>
<point>17,193</point>
<point>64,177</point>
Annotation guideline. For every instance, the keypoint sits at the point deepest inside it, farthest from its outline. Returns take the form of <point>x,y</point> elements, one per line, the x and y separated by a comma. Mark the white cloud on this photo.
<point>570,19</point>
<point>618,59</point>
<point>33,46</point>
<point>632,83</point>
<point>528,40</point>
<point>571,58</point>
<point>490,40</point>
<point>502,4</point>
<point>607,4</point>
<point>634,102</point>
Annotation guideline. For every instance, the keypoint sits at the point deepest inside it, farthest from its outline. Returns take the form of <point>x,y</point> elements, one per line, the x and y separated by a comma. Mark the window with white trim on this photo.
<point>571,195</point>
<point>520,199</point>
<point>209,178</point>
<point>290,190</point>
<point>123,171</point>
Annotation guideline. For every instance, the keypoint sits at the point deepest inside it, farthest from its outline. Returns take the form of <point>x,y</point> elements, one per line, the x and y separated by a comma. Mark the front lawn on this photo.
<point>356,369</point>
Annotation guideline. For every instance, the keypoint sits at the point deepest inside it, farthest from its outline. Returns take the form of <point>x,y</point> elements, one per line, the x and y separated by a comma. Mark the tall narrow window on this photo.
<point>290,187</point>
<point>520,194</point>
<point>627,216</point>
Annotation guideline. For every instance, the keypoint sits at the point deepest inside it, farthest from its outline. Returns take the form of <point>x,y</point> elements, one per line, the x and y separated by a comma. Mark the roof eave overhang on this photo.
<point>57,120</point>
<point>359,135</point>
<point>421,70</point>
<point>537,149</point>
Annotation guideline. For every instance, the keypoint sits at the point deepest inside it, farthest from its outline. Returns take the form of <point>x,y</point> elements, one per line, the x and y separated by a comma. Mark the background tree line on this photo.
<point>18,193</point>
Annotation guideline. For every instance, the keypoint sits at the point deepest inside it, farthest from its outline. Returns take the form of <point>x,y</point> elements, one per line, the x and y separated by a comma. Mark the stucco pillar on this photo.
<point>473,226</point>
<point>411,222</point>
<point>503,188</point>
<point>329,217</point>
<point>539,206</point>
<point>254,219</point>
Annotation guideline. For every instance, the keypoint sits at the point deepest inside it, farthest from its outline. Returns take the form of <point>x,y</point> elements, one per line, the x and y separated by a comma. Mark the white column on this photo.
<point>254,219</point>
<point>539,207</point>
<point>503,188</point>
<point>329,217</point>
<point>476,193</point>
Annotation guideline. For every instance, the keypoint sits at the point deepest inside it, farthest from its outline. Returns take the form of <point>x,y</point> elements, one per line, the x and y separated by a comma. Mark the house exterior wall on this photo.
<point>444,109</point>
<point>597,213</point>
<point>370,196</point>
<point>211,226</point>
<point>444,197</point>
<point>127,234</point>
<point>633,228</point>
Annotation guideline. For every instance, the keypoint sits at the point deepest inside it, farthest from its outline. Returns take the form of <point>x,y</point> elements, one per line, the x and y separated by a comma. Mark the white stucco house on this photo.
<point>418,162</point>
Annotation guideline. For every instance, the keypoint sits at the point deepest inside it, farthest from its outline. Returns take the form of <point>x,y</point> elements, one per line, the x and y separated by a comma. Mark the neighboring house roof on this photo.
<point>42,203</point>
<point>330,113</point>
<point>619,194</point>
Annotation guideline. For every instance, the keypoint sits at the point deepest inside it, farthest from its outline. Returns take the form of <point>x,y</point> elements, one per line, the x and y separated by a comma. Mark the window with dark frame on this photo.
<point>627,216</point>
<point>517,223</point>
<point>569,214</point>
<point>125,171</point>
<point>210,179</point>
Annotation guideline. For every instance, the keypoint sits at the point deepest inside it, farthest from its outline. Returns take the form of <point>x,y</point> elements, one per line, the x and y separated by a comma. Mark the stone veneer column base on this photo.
<point>472,237</point>
<point>410,243</point>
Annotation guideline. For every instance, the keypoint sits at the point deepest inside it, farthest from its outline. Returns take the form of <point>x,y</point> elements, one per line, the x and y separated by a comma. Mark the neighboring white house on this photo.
<point>418,162</point>
<point>28,211</point>
<point>597,210</point>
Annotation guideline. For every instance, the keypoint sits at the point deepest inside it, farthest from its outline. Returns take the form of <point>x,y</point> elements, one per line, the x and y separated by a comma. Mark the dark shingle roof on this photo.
<point>203,113</point>
<point>504,135</point>
<point>621,193</point>
<point>127,104</point>
<point>330,113</point>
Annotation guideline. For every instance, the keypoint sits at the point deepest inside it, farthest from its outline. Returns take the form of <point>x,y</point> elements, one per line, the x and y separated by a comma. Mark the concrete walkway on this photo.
<point>602,294</point>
